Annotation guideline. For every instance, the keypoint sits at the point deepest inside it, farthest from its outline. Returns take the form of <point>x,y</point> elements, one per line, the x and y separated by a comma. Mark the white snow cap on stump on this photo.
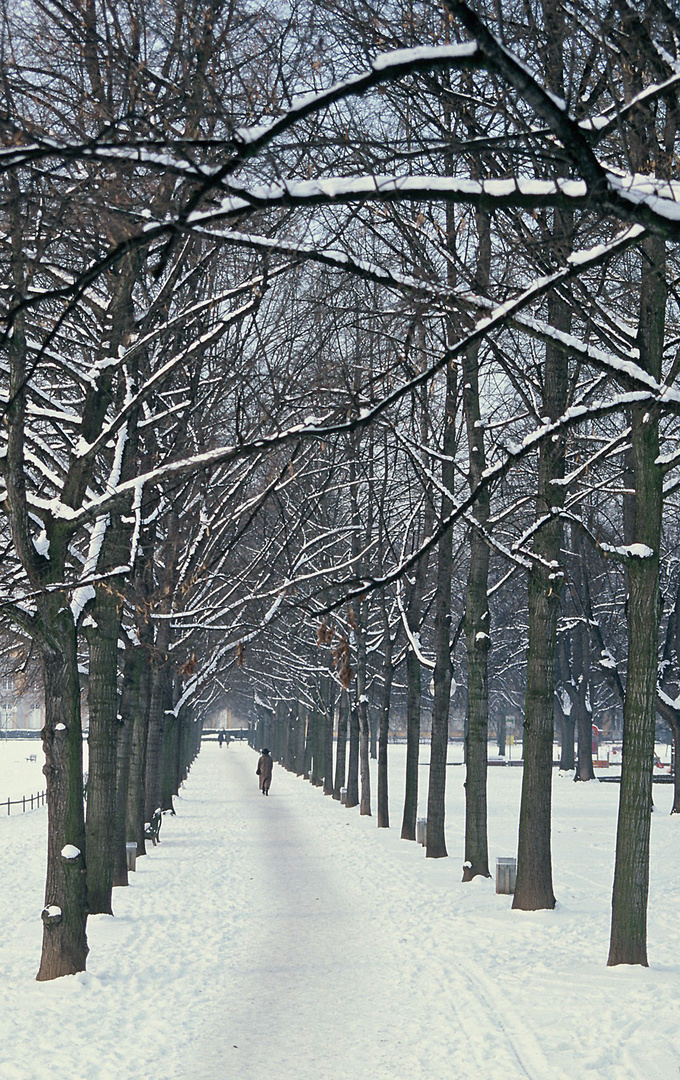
<point>52,911</point>
<point>70,851</point>
<point>60,727</point>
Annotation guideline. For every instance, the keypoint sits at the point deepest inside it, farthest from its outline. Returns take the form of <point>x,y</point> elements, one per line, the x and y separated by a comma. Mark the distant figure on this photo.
<point>264,771</point>
<point>227,738</point>
<point>220,738</point>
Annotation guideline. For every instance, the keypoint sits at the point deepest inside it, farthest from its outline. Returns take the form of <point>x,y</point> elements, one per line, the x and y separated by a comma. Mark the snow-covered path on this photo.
<point>329,975</point>
<point>289,937</point>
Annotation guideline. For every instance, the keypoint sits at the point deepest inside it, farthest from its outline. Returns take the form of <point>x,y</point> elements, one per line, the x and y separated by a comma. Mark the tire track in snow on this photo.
<point>524,1046</point>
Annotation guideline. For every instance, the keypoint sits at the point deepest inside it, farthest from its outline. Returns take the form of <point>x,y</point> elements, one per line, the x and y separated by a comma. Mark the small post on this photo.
<point>131,854</point>
<point>23,808</point>
<point>506,875</point>
<point>343,796</point>
<point>8,806</point>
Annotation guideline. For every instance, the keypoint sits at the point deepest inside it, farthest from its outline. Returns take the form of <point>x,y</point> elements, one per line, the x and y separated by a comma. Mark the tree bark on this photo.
<point>132,669</point>
<point>136,797</point>
<point>477,615</point>
<point>362,714</point>
<point>580,682</point>
<point>329,716</point>
<point>160,697</point>
<point>534,887</point>
<point>341,746</point>
<point>439,740</point>
<point>64,950</point>
<point>628,940</point>
<point>353,762</point>
<point>384,729</point>
<point>301,742</point>
<point>100,825</point>
<point>318,740</point>
<point>413,692</point>
<point>534,862</point>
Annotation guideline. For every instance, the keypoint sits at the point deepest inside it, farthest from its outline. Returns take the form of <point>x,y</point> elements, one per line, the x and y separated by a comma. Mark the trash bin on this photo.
<point>421,831</point>
<point>131,854</point>
<point>506,874</point>
<point>343,796</point>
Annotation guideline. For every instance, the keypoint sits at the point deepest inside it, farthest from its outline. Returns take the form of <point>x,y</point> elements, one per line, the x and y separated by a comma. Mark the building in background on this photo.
<point>21,704</point>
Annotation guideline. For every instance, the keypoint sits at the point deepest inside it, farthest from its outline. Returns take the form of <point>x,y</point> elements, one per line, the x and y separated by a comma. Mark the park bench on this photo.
<point>32,757</point>
<point>152,828</point>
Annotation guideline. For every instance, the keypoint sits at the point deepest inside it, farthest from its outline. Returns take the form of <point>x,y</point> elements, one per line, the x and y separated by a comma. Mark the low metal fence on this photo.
<point>26,802</point>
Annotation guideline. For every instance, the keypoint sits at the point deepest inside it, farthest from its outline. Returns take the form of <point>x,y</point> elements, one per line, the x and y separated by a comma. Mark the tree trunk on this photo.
<point>169,757</point>
<point>160,697</point>
<point>341,747</point>
<point>534,887</point>
<point>628,941</point>
<point>283,715</point>
<point>64,949</point>
<point>384,730</point>
<point>132,670</point>
<point>100,825</point>
<point>477,615</point>
<point>501,735</point>
<point>328,738</point>
<point>129,690</point>
<point>308,723</point>
<point>301,742</point>
<point>564,712</point>
<point>477,642</point>
<point>567,730</point>
<point>318,741</point>
<point>439,740</point>
<point>136,799</point>
<point>362,713</point>
<point>580,683</point>
<point>413,692</point>
<point>675,729</point>
<point>534,865</point>
<point>353,762</point>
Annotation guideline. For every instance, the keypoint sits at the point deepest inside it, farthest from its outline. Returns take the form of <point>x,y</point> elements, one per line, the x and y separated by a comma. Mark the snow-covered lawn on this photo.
<point>290,938</point>
<point>19,775</point>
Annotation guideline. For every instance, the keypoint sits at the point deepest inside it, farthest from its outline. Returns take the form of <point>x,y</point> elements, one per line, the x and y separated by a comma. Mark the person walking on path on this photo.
<point>264,771</point>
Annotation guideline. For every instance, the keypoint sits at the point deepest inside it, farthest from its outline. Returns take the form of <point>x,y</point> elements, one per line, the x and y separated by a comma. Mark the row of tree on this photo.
<point>337,341</point>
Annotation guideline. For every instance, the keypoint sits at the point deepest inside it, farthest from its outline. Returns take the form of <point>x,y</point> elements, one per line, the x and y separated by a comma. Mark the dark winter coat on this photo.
<point>264,770</point>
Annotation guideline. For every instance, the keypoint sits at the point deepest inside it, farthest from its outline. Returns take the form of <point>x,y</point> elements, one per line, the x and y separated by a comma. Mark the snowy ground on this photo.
<point>19,775</point>
<point>288,937</point>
